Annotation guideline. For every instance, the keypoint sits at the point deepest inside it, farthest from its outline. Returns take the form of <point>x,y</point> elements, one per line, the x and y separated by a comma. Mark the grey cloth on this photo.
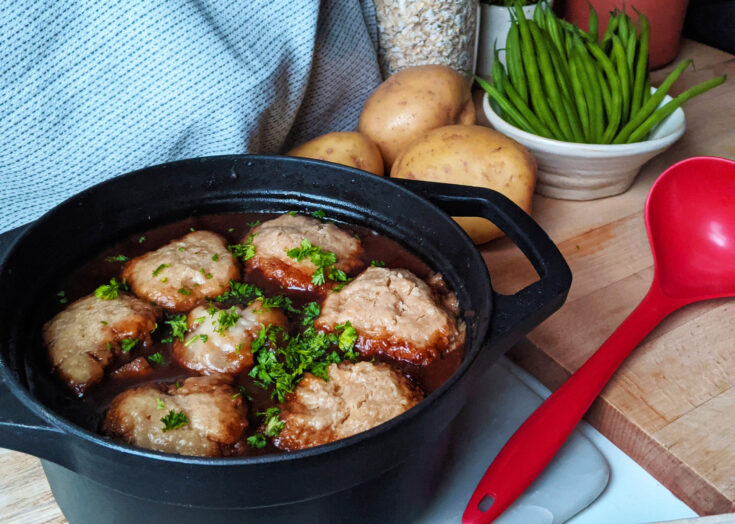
<point>90,90</point>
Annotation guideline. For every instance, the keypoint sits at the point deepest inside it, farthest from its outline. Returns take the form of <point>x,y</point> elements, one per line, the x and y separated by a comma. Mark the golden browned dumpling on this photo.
<point>219,340</point>
<point>180,274</point>
<point>274,238</point>
<point>85,338</point>
<point>395,314</point>
<point>202,417</point>
<point>356,397</point>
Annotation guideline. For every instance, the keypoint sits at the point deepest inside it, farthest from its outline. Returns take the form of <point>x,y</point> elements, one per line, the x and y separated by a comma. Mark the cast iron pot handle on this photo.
<point>21,429</point>
<point>524,310</point>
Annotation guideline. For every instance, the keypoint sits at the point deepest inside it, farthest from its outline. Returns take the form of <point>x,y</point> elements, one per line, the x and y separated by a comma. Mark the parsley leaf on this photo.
<point>242,291</point>
<point>160,268</point>
<point>62,297</point>
<point>160,404</point>
<point>141,240</point>
<point>117,258</point>
<point>254,224</point>
<point>318,277</point>
<point>273,425</point>
<point>377,263</point>
<point>256,441</point>
<point>347,339</point>
<point>178,326</point>
<point>244,251</point>
<point>128,343</point>
<point>227,318</point>
<point>110,291</point>
<point>156,358</point>
<point>319,213</point>
<point>184,291</point>
<point>174,420</point>
<point>203,338</point>
<point>279,301</point>
<point>215,257</point>
<point>323,260</point>
<point>311,311</point>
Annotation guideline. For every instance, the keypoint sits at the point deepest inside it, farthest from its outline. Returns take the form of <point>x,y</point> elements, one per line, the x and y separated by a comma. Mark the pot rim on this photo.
<point>71,429</point>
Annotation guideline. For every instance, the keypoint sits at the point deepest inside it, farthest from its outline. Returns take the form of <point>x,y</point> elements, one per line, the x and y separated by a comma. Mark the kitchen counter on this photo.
<point>671,405</point>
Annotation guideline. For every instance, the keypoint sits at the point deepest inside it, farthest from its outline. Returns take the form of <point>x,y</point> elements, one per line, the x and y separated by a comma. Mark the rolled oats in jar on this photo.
<point>419,32</point>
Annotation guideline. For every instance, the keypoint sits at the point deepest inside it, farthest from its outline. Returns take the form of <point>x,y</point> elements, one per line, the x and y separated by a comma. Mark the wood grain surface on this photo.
<point>672,404</point>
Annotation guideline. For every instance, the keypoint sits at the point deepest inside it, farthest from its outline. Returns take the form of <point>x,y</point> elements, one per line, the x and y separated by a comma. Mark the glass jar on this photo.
<point>421,32</point>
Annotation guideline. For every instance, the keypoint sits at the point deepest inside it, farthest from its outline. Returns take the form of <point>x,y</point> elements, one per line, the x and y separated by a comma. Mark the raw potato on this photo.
<point>348,148</point>
<point>412,102</point>
<point>472,156</point>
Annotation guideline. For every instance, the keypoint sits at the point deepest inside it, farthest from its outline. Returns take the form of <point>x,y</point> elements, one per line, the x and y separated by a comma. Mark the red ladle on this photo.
<point>690,217</point>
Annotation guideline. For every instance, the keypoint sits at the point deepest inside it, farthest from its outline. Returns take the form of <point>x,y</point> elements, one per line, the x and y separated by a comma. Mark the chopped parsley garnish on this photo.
<point>292,213</point>
<point>110,291</point>
<point>192,229</point>
<point>226,318</point>
<point>178,326</point>
<point>184,291</point>
<point>323,260</point>
<point>182,249</point>
<point>203,338</point>
<point>244,251</point>
<point>205,273</point>
<point>254,224</point>
<point>238,348</point>
<point>231,230</point>
<point>178,384</point>
<point>215,257</point>
<point>273,425</point>
<point>141,240</point>
<point>279,301</point>
<point>62,297</point>
<point>347,339</point>
<point>160,268</point>
<point>311,311</point>
<point>160,404</point>
<point>243,392</point>
<point>174,420</point>
<point>156,358</point>
<point>117,258</point>
<point>128,343</point>
<point>256,441</point>
<point>109,346</point>
<point>377,263</point>
<point>319,213</point>
<point>241,291</point>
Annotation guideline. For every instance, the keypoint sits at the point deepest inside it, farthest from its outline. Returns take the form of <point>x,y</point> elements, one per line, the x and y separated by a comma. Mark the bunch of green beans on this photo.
<point>568,84</point>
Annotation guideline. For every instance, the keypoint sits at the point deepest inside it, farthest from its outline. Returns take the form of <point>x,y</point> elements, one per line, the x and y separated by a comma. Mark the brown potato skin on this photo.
<point>472,156</point>
<point>348,148</point>
<point>412,102</point>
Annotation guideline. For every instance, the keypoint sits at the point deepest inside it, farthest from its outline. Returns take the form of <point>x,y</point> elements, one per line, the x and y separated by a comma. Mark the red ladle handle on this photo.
<point>536,442</point>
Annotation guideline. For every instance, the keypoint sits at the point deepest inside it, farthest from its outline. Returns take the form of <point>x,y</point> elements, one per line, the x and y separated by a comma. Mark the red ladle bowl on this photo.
<point>690,217</point>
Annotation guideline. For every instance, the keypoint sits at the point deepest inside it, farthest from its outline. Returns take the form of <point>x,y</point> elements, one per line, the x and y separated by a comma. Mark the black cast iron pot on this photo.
<point>385,474</point>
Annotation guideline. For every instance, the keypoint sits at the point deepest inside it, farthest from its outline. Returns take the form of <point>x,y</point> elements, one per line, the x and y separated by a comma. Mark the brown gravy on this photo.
<point>90,410</point>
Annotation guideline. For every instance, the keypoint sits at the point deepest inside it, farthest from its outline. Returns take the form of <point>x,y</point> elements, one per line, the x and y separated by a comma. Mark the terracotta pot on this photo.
<point>666,18</point>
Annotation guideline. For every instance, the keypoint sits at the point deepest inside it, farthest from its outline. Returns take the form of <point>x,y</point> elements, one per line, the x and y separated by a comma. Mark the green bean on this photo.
<point>505,105</point>
<point>615,91</point>
<point>646,89</point>
<point>661,113</point>
<point>651,104</point>
<point>537,95</point>
<point>623,28</point>
<point>612,25</point>
<point>641,67</point>
<point>592,93</point>
<point>549,79</point>
<point>573,28</point>
<point>538,15</point>
<point>513,60</point>
<point>579,98</point>
<point>556,33</point>
<point>497,71</point>
<point>630,47</point>
<point>621,64</point>
<point>511,94</point>
<point>593,23</point>
<point>561,70</point>
<point>606,96</point>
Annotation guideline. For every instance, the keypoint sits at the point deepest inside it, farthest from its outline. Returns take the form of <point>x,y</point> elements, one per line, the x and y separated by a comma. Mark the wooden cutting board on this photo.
<point>671,406</point>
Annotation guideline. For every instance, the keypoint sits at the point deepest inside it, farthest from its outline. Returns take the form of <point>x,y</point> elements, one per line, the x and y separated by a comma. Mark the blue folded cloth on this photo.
<point>90,90</point>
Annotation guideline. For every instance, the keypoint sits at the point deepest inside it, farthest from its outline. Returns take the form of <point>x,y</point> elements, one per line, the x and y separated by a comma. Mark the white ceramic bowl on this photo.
<point>587,171</point>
